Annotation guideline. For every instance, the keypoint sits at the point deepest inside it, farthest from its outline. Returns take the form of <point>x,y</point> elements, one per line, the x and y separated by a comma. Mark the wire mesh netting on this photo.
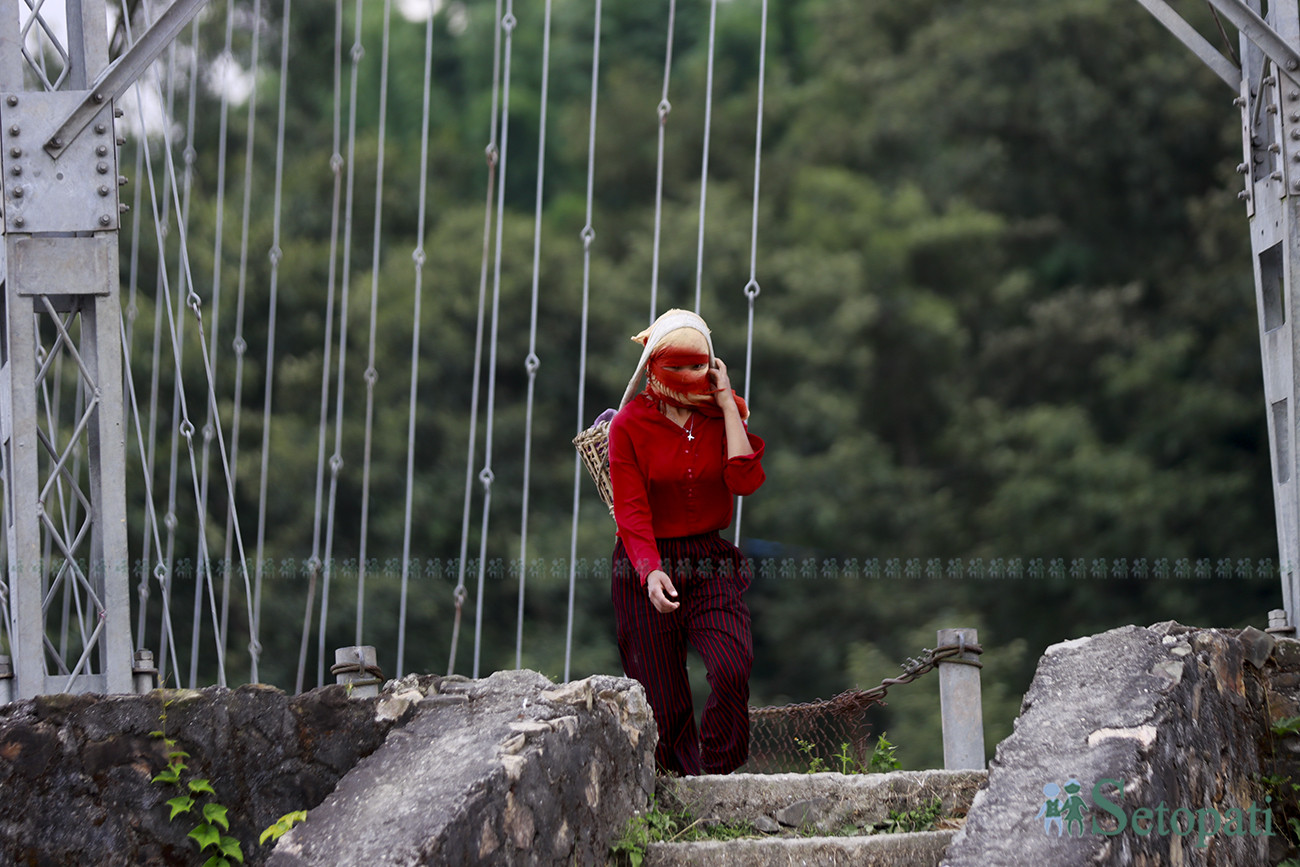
<point>811,735</point>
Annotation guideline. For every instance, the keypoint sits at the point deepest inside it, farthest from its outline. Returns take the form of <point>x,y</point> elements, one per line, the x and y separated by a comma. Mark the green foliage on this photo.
<point>659,826</point>
<point>1288,726</point>
<point>816,765</point>
<point>882,756</point>
<point>846,761</point>
<point>282,825</point>
<point>207,830</point>
<point>921,818</point>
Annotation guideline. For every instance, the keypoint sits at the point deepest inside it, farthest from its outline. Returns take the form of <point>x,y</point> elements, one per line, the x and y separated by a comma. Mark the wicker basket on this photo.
<point>593,446</point>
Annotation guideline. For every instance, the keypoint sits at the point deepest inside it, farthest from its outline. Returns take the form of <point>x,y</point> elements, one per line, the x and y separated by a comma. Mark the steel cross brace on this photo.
<point>114,81</point>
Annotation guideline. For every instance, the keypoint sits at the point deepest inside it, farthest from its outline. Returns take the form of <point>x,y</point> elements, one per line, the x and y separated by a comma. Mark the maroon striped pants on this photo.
<point>710,575</point>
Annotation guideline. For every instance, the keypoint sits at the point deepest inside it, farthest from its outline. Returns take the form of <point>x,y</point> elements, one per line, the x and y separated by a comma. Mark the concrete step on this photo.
<point>817,820</point>
<point>883,850</point>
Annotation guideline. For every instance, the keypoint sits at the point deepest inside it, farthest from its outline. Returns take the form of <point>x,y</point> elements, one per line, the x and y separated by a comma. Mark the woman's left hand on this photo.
<point>721,382</point>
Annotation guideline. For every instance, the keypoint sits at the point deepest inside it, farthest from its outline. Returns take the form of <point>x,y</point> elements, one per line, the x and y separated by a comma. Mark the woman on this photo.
<point>678,453</point>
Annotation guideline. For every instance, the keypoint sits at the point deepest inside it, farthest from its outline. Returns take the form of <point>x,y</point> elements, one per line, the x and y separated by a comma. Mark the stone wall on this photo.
<point>76,770</point>
<point>507,770</point>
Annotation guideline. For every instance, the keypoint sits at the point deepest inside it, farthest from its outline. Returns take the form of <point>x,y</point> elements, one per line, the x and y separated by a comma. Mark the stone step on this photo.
<point>823,802</point>
<point>819,820</point>
<point>923,849</point>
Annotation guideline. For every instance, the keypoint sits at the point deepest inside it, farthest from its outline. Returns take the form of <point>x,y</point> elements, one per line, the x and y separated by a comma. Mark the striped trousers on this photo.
<point>710,575</point>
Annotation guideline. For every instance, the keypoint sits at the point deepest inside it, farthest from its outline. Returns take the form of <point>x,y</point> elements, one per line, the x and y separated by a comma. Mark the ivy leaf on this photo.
<point>229,846</point>
<point>216,861</point>
<point>282,826</point>
<point>179,804</point>
<point>216,815</point>
<point>178,754</point>
<point>201,785</point>
<point>169,774</point>
<point>206,835</point>
<point>157,733</point>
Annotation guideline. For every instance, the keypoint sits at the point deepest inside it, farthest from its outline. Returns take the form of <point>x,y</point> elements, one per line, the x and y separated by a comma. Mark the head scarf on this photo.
<point>678,338</point>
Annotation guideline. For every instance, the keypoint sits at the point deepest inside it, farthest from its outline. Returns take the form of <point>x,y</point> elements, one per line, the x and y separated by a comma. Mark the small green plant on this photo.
<point>1288,726</point>
<point>809,749</point>
<point>920,818</point>
<point>652,826</point>
<point>659,826</point>
<point>848,762</point>
<point>211,816</point>
<point>282,825</point>
<point>882,758</point>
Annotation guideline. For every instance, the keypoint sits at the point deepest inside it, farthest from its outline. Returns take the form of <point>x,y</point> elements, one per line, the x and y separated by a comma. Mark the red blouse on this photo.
<point>672,481</point>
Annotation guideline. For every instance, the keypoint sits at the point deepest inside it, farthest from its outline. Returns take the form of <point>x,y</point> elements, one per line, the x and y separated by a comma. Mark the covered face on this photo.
<point>678,367</point>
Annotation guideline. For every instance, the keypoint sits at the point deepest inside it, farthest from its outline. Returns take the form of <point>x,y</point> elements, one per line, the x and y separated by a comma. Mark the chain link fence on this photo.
<point>787,738</point>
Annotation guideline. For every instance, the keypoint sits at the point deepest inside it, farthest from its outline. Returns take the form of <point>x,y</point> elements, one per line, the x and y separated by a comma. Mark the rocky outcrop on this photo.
<point>1133,747</point>
<point>511,769</point>
<point>507,770</point>
<point>76,769</point>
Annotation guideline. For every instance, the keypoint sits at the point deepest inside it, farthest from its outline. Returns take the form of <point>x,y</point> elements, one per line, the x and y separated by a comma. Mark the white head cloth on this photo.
<point>671,320</point>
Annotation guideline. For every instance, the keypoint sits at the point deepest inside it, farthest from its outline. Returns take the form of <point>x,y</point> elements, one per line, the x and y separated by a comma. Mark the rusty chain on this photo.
<point>855,701</point>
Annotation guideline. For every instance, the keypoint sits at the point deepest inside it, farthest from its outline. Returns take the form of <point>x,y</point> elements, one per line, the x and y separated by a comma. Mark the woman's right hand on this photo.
<point>662,592</point>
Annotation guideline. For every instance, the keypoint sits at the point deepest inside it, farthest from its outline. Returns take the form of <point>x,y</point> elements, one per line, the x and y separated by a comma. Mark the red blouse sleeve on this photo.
<point>744,474</point>
<point>631,502</point>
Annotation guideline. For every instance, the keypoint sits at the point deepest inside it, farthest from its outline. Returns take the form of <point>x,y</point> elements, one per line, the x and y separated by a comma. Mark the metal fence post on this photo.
<point>959,701</point>
<point>356,668</point>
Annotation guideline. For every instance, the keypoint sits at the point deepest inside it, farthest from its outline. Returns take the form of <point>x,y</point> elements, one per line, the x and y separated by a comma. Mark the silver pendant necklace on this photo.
<point>690,435</point>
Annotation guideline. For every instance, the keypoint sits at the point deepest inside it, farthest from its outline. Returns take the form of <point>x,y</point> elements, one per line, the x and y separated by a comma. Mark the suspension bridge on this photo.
<point>155,270</point>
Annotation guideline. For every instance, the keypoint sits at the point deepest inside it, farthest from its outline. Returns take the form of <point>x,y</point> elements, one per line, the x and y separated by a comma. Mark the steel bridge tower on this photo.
<point>1267,84</point>
<point>65,600</point>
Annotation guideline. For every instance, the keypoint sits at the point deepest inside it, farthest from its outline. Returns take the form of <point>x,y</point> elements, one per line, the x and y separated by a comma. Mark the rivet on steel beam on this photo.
<point>123,180</point>
<point>12,100</point>
<point>1275,148</point>
<point>15,152</point>
<point>121,140</point>
<point>1293,95</point>
<point>100,128</point>
<point>57,142</point>
<point>1242,168</point>
<point>16,171</point>
<point>1272,109</point>
<point>105,220</point>
<point>1239,102</point>
<point>1243,195</point>
<point>1292,64</point>
<point>102,151</point>
<point>117,112</point>
<point>1275,176</point>
<point>18,192</point>
<point>102,168</point>
<point>19,222</point>
<point>98,97</point>
<point>1295,134</point>
<point>123,207</point>
<point>1269,80</point>
<point>14,130</point>
<point>105,189</point>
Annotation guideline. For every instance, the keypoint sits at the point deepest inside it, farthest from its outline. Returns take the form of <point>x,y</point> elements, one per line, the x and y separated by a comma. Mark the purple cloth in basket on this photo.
<point>607,415</point>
